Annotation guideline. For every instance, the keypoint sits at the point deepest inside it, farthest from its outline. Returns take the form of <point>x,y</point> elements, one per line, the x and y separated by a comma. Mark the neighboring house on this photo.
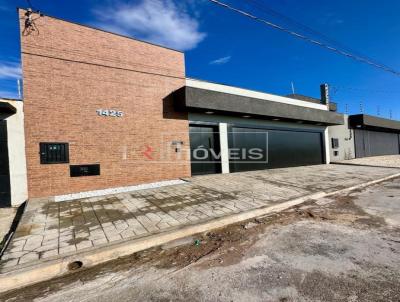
<point>374,136</point>
<point>104,112</point>
<point>13,180</point>
<point>364,135</point>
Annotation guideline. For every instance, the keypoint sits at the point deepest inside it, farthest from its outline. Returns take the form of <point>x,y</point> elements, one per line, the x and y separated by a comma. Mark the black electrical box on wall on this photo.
<point>54,153</point>
<point>335,143</point>
<point>84,170</point>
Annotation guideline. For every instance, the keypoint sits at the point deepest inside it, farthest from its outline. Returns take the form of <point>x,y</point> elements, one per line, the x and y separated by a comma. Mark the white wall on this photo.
<point>327,147</point>
<point>16,154</point>
<point>224,147</point>
<point>345,135</point>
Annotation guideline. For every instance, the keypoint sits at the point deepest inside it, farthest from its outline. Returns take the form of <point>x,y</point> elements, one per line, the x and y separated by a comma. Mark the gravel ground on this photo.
<point>343,248</point>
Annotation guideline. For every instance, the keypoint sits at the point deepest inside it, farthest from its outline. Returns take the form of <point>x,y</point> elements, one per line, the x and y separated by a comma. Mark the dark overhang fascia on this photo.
<point>196,99</point>
<point>373,123</point>
<point>6,108</point>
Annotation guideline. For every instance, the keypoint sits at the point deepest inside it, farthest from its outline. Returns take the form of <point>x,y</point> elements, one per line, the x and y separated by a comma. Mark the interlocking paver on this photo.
<point>29,257</point>
<point>67,249</point>
<point>49,229</point>
<point>84,244</point>
<point>50,253</point>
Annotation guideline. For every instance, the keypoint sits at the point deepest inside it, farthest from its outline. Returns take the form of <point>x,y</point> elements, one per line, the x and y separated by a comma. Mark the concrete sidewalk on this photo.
<point>49,231</point>
<point>390,161</point>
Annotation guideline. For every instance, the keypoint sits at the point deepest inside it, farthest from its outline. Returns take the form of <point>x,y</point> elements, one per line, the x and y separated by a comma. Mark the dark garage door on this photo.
<point>205,151</point>
<point>281,148</point>
<point>5,197</point>
<point>374,143</point>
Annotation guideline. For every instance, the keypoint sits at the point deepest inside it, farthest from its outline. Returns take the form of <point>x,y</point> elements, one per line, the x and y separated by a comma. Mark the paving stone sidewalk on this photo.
<point>391,161</point>
<point>49,230</point>
<point>6,218</point>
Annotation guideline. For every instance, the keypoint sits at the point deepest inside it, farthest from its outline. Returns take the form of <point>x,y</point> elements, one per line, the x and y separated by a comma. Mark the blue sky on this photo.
<point>224,47</point>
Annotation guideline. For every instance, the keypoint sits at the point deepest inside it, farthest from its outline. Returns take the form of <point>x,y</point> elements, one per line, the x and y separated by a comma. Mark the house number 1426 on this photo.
<point>106,112</point>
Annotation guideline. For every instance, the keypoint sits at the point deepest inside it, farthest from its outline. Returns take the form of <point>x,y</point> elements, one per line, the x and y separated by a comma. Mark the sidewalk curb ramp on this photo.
<point>56,267</point>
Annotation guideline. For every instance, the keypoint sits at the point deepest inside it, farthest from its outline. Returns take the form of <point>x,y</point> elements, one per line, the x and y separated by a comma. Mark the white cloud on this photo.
<point>157,21</point>
<point>221,61</point>
<point>10,71</point>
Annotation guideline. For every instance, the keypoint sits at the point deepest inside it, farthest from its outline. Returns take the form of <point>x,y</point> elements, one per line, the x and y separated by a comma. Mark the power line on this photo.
<point>305,38</point>
<point>102,65</point>
<point>82,54</point>
<point>263,7</point>
<point>338,87</point>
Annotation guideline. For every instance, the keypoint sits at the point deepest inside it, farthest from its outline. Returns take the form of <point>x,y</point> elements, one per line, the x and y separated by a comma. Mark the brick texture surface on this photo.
<point>70,71</point>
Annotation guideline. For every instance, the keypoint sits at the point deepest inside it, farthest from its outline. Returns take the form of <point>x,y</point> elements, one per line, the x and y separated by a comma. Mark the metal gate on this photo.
<point>375,143</point>
<point>5,195</point>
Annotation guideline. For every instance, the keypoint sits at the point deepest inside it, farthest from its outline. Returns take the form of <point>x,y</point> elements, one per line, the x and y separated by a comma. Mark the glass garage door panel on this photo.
<point>241,142</point>
<point>204,138</point>
<point>282,149</point>
<point>291,148</point>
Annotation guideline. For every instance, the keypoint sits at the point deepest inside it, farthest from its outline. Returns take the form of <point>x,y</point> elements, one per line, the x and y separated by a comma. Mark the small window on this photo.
<point>54,153</point>
<point>84,170</point>
<point>336,153</point>
<point>335,143</point>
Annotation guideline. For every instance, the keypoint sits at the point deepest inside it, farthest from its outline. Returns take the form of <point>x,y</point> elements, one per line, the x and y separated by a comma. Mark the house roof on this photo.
<point>373,122</point>
<point>7,108</point>
<point>201,100</point>
<point>304,98</point>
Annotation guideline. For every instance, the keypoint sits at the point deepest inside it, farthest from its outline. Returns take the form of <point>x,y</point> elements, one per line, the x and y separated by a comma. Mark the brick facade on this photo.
<point>69,72</point>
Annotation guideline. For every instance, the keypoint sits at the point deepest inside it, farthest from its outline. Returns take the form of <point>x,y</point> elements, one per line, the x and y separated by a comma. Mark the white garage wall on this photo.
<point>345,135</point>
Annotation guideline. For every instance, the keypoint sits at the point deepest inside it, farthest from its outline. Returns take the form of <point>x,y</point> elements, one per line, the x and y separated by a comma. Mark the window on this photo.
<point>84,170</point>
<point>54,153</point>
<point>335,143</point>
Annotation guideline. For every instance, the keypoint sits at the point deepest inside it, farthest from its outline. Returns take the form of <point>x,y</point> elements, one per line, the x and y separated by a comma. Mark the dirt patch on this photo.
<point>225,246</point>
<point>221,247</point>
<point>346,210</point>
<point>342,209</point>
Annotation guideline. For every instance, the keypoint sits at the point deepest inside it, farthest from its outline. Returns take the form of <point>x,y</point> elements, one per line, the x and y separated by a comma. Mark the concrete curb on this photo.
<point>47,270</point>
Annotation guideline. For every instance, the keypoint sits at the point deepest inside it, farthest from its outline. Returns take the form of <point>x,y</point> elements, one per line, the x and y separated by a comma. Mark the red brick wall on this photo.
<point>69,72</point>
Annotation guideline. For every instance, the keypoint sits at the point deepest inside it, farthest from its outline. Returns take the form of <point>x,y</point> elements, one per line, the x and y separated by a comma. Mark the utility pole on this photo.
<point>292,87</point>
